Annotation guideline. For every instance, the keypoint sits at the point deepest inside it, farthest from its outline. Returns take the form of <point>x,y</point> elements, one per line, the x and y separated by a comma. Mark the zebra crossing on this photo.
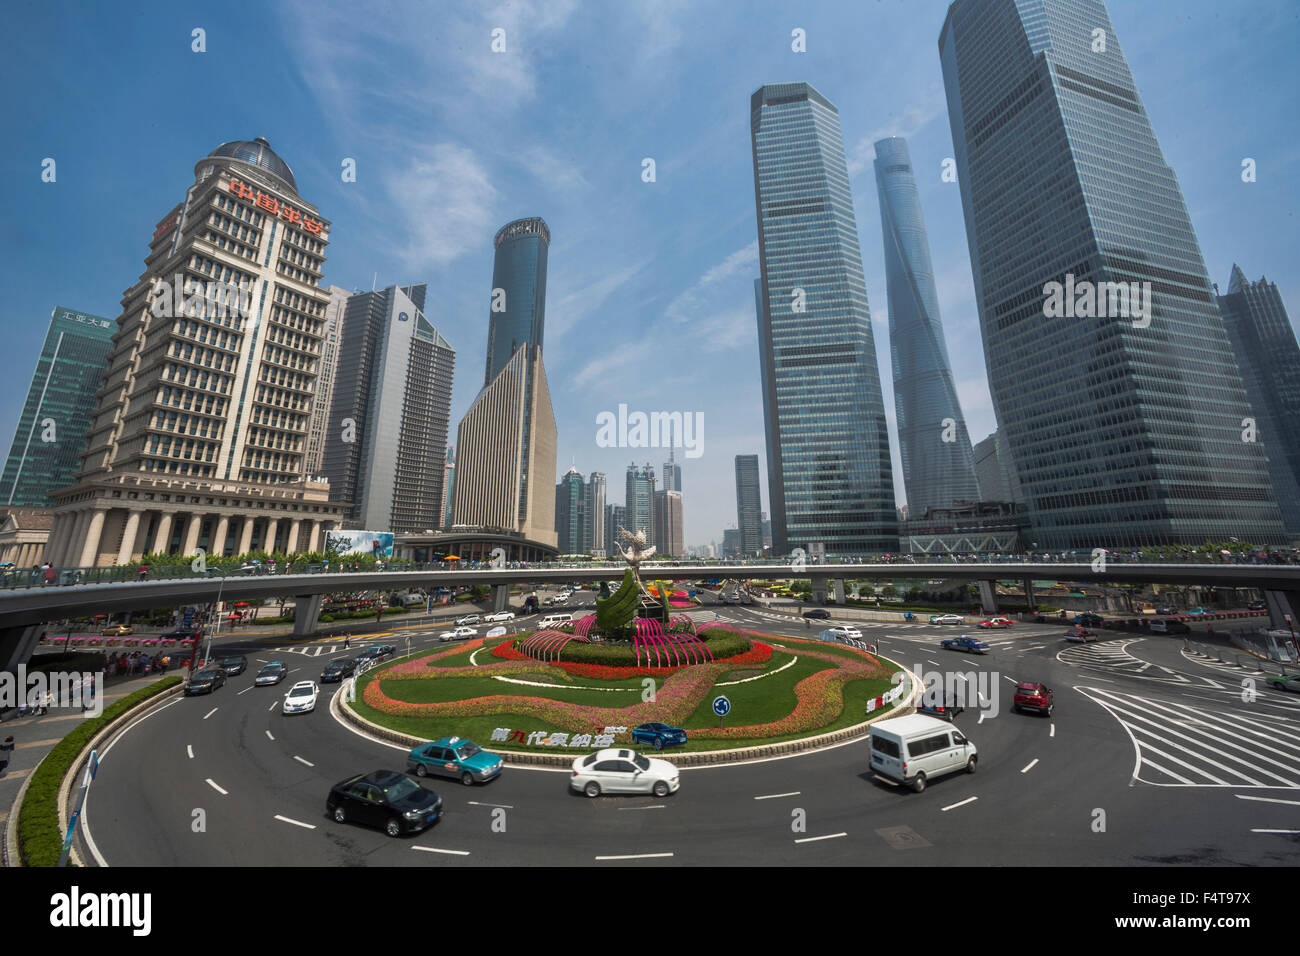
<point>1187,745</point>
<point>1112,657</point>
<point>793,619</point>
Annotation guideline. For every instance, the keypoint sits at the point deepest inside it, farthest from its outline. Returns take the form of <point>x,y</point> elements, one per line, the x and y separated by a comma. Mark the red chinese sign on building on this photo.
<point>276,208</point>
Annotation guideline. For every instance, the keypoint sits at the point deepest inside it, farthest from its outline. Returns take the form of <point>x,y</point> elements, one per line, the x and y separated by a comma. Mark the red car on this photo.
<point>997,622</point>
<point>1032,696</point>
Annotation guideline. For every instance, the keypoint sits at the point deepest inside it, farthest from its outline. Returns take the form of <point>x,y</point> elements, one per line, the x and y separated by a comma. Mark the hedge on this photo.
<point>40,838</point>
<point>721,644</point>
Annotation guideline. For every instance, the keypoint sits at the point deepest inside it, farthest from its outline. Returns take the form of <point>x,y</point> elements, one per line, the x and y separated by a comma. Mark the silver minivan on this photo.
<point>553,620</point>
<point>915,749</point>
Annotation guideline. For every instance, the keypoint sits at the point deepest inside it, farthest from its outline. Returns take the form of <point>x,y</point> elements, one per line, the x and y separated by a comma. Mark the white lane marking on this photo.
<point>268,736</point>
<point>1253,830</point>
<point>295,670</point>
<point>213,785</point>
<point>656,806</point>
<point>274,704</point>
<point>245,691</point>
<point>954,806</point>
<point>309,826</point>
<point>300,760</point>
<point>775,796</point>
<point>829,836</point>
<point>1051,730</point>
<point>1291,803</point>
<point>981,720</point>
<point>935,663</point>
<point>636,856</point>
<point>1005,677</point>
<point>261,661</point>
<point>503,806</point>
<point>210,713</point>
<point>434,849</point>
<point>189,749</point>
<point>1030,765</point>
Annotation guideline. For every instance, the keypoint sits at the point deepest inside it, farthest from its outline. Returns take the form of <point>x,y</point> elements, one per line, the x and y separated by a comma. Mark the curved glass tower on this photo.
<point>518,310</point>
<point>938,464</point>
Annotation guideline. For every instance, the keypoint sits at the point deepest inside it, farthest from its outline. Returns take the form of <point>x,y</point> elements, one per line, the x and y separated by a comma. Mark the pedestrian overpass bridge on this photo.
<point>25,605</point>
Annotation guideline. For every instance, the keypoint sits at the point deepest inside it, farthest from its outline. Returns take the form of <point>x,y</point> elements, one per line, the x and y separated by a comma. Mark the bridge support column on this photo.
<point>17,645</point>
<point>819,589</point>
<point>1030,601</point>
<point>306,614</point>
<point>837,590</point>
<point>501,597</point>
<point>988,597</point>
<point>1280,604</point>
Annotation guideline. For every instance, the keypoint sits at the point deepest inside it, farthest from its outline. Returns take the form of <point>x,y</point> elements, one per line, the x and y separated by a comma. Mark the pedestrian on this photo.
<point>347,641</point>
<point>144,572</point>
<point>50,575</point>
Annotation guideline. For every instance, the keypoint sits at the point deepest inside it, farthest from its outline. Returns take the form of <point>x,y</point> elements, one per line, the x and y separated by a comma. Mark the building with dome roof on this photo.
<point>199,437</point>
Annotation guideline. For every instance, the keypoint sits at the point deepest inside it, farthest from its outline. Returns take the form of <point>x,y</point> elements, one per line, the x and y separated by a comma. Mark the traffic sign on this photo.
<point>721,706</point>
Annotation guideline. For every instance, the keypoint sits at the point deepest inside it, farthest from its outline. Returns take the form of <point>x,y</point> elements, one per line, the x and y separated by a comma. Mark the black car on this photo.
<point>271,673</point>
<point>817,612</point>
<point>367,655</point>
<point>183,634</point>
<point>386,799</point>
<point>205,681</point>
<point>948,710</point>
<point>233,665</point>
<point>1257,606</point>
<point>335,671</point>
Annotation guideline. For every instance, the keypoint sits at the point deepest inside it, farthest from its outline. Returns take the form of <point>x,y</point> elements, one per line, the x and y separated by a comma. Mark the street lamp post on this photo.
<point>217,628</point>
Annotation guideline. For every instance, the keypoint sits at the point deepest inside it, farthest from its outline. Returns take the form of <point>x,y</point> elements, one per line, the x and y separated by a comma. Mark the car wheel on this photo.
<point>918,783</point>
<point>970,765</point>
<point>339,815</point>
<point>392,827</point>
<point>467,779</point>
<point>592,789</point>
<point>421,770</point>
<point>659,744</point>
<point>661,788</point>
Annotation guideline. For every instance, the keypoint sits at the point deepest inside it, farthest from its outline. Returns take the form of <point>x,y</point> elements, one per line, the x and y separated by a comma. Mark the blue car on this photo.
<point>964,643</point>
<point>455,757</point>
<point>659,736</point>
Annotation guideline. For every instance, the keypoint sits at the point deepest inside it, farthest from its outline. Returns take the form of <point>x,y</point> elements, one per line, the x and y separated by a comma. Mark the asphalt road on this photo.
<point>1151,757</point>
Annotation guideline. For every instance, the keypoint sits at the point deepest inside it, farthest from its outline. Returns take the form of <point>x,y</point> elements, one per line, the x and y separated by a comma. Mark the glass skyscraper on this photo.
<point>749,506</point>
<point>639,501</point>
<point>46,450</point>
<point>829,475</point>
<point>938,464</point>
<point>517,314</point>
<point>1124,429</point>
<point>1268,355</point>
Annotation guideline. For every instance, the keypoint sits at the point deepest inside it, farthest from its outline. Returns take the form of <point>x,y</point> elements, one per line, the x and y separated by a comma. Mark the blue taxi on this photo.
<point>455,757</point>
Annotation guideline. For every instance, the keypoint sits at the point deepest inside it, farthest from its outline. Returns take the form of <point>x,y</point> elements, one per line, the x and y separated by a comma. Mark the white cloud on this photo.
<point>446,203</point>
<point>915,117</point>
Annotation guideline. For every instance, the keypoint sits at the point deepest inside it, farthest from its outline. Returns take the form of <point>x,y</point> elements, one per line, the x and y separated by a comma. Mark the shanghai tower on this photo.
<point>829,475</point>
<point>938,463</point>
<point>1125,426</point>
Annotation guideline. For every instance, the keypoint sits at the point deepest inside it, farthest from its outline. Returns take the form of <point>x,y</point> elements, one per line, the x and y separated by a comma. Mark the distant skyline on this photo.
<point>650,283</point>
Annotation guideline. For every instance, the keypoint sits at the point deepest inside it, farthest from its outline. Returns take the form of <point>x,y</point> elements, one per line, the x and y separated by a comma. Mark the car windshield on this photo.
<point>641,762</point>
<point>466,750</point>
<point>401,789</point>
<point>300,692</point>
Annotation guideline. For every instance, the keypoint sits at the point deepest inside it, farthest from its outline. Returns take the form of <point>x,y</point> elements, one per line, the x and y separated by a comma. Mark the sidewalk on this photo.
<point>34,737</point>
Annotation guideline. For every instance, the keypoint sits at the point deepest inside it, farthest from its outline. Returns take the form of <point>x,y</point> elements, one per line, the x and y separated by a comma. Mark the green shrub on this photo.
<point>720,644</point>
<point>40,838</point>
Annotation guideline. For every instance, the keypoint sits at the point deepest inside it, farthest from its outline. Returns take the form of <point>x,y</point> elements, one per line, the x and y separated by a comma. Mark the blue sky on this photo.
<point>650,298</point>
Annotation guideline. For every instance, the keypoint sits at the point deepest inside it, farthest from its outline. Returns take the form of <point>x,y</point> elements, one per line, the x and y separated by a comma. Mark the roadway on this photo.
<point>1156,740</point>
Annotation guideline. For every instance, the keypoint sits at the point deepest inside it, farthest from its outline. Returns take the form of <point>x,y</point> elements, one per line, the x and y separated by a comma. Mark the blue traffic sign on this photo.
<point>721,706</point>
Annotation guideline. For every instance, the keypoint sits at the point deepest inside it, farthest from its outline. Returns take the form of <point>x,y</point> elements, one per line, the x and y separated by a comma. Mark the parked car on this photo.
<point>205,681</point>
<point>915,749</point>
<point>117,630</point>
<point>658,735</point>
<point>455,757</point>
<point>335,671</point>
<point>300,699</point>
<point>623,771</point>
<point>1031,695</point>
<point>947,619</point>
<point>964,643</point>
<point>183,634</point>
<point>386,799</point>
<point>816,613</point>
<point>270,673</point>
<point>1257,606</point>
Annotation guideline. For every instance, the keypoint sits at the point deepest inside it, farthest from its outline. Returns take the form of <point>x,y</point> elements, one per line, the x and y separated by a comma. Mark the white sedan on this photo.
<point>846,631</point>
<point>947,619</point>
<point>499,616</point>
<point>623,771</point>
<point>467,619</point>
<point>301,698</point>
<point>457,634</point>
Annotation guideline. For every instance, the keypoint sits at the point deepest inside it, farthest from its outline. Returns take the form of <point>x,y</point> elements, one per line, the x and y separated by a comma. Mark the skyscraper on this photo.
<point>668,524</point>
<point>615,518</point>
<point>570,512</point>
<point>386,449</point>
<point>1122,411</point>
<point>672,474</point>
<point>318,427</point>
<point>593,536</point>
<point>448,486</point>
<point>938,466</point>
<point>749,506</point>
<point>1268,355</point>
<point>198,439</point>
<point>51,433</point>
<point>507,441</point>
<point>829,474</point>
<point>639,501</point>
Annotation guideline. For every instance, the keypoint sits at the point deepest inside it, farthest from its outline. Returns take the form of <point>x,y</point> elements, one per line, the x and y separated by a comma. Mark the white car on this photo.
<point>947,619</point>
<point>301,698</point>
<point>499,616</point>
<point>623,771</point>
<point>467,619</point>
<point>845,631</point>
<point>457,634</point>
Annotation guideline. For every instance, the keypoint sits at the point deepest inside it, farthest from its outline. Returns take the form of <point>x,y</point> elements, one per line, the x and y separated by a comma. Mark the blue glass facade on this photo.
<point>1264,343</point>
<point>829,475</point>
<point>519,271</point>
<point>938,463</point>
<point>1122,431</point>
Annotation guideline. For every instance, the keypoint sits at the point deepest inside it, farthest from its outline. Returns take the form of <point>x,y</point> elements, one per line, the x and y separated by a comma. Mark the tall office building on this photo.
<point>570,512</point>
<point>668,524</point>
<point>593,535</point>
<point>318,426</point>
<point>1123,429</point>
<point>507,441</point>
<point>199,436</point>
<point>615,518</point>
<point>829,475</point>
<point>938,465</point>
<point>672,474</point>
<point>46,449</point>
<point>731,543</point>
<point>639,501</point>
<point>749,506</point>
<point>386,449</point>
<point>991,471</point>
<point>448,486</point>
<point>1264,343</point>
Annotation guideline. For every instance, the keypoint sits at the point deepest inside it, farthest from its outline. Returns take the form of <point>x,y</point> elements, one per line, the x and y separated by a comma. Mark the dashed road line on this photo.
<point>308,826</point>
<point>635,856</point>
<point>503,806</point>
<point>1261,830</point>
<point>1051,730</point>
<point>776,796</point>
<point>962,803</point>
<point>269,736</point>
<point>300,760</point>
<point>212,783</point>
<point>1290,803</point>
<point>274,705</point>
<point>435,849</point>
<point>656,806</point>
<point>189,749</point>
<point>1030,766</point>
<point>210,713</point>
<point>829,836</point>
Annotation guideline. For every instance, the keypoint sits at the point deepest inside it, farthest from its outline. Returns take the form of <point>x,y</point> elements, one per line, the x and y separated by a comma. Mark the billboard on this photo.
<point>344,543</point>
